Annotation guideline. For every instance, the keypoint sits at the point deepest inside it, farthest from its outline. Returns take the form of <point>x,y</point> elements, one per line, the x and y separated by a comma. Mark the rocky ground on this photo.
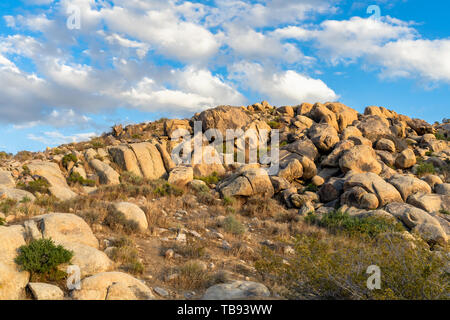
<point>353,190</point>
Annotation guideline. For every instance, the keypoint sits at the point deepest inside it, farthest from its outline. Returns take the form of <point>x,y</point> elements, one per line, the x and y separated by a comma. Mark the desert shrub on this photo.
<point>2,221</point>
<point>261,207</point>
<point>233,225</point>
<point>228,201</point>
<point>76,179</point>
<point>7,205</point>
<point>205,197</point>
<point>23,156</point>
<point>39,185</point>
<point>131,178</point>
<point>311,187</point>
<point>211,179</point>
<point>167,189</point>
<point>334,268</point>
<point>337,221</point>
<point>70,157</point>
<point>194,250</point>
<point>274,124</point>
<point>117,221</point>
<point>191,276</point>
<point>47,201</point>
<point>424,168</point>
<point>440,136</point>
<point>97,143</point>
<point>445,212</point>
<point>127,255</point>
<point>4,155</point>
<point>42,258</point>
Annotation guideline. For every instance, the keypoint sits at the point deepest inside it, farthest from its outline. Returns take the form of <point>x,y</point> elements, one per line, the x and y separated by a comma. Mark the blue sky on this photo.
<point>135,61</point>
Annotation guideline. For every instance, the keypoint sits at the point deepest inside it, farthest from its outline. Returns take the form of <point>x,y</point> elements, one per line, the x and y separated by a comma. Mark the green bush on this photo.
<point>76,178</point>
<point>228,201</point>
<point>337,221</point>
<point>42,258</point>
<point>274,124</point>
<point>311,187</point>
<point>69,158</point>
<point>211,179</point>
<point>233,225</point>
<point>167,189</point>
<point>330,267</point>
<point>424,168</point>
<point>440,136</point>
<point>36,186</point>
<point>2,221</point>
<point>7,205</point>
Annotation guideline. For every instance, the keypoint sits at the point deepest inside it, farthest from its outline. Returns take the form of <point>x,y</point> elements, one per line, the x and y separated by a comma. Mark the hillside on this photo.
<point>350,191</point>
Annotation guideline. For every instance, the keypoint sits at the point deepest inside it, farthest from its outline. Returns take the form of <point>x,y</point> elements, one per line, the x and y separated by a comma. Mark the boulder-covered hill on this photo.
<point>142,227</point>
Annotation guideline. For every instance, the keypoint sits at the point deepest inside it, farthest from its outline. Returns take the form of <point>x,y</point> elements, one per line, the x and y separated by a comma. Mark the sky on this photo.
<point>71,69</point>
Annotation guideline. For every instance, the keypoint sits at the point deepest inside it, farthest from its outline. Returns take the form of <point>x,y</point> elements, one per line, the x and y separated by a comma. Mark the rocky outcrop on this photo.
<point>106,174</point>
<point>112,286</point>
<point>51,172</point>
<point>236,290</point>
<point>132,213</point>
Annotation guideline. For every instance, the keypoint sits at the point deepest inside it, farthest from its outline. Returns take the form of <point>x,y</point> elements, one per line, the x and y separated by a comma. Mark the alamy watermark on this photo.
<point>374,281</point>
<point>375,11</point>
<point>74,18</point>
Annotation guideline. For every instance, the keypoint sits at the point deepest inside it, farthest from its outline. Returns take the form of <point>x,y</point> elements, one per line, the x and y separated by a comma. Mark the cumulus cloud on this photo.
<point>56,138</point>
<point>282,88</point>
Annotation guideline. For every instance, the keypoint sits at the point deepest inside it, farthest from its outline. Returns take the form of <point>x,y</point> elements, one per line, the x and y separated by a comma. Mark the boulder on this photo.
<point>420,126</point>
<point>16,194</point>
<point>97,287</point>
<point>418,221</point>
<point>303,147</point>
<point>45,291</point>
<point>236,290</point>
<point>165,156</point>
<point>408,185</point>
<point>304,108</point>
<point>181,176</point>
<point>209,163</point>
<point>350,131</point>
<point>90,260</point>
<point>149,159</point>
<point>432,180</point>
<point>66,228</point>
<point>359,159</point>
<point>385,145</point>
<point>359,198</point>
<point>321,114</point>
<point>6,180</point>
<point>324,136</point>
<point>331,190</point>
<point>12,280</point>
<point>50,171</point>
<point>174,124</point>
<point>372,183</point>
<point>443,188</point>
<point>406,159</point>
<point>126,159</point>
<point>288,110</point>
<point>374,127</point>
<point>291,170</point>
<point>247,182</point>
<point>132,213</point>
<point>106,174</point>
<point>223,118</point>
<point>332,160</point>
<point>279,184</point>
<point>430,202</point>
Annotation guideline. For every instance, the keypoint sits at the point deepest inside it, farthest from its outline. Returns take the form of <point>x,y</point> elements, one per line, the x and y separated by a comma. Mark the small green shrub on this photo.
<point>228,201</point>
<point>424,168</point>
<point>211,179</point>
<point>274,124</point>
<point>445,212</point>
<point>337,221</point>
<point>75,178</point>
<point>42,258</point>
<point>2,221</point>
<point>117,221</point>
<point>69,158</point>
<point>233,226</point>
<point>36,186</point>
<point>7,205</point>
<point>167,189</point>
<point>311,187</point>
<point>131,178</point>
<point>440,136</point>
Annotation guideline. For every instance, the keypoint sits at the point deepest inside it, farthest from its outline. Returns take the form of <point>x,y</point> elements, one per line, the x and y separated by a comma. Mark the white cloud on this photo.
<point>428,59</point>
<point>55,138</point>
<point>282,88</point>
